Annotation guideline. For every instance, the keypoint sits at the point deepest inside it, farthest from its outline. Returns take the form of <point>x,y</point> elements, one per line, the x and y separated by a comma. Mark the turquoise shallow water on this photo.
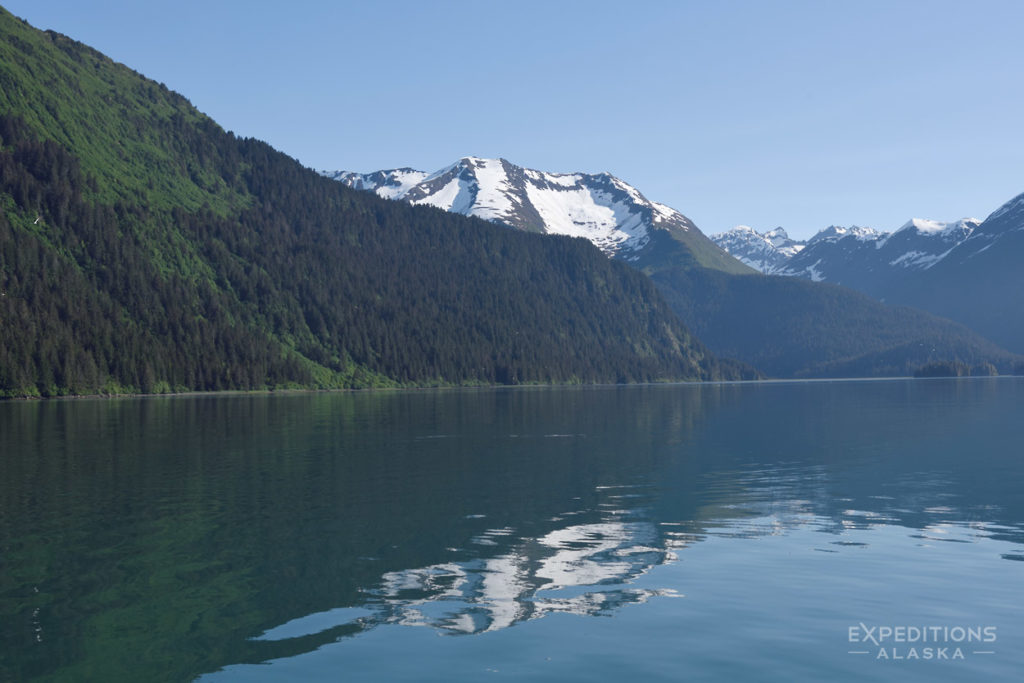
<point>772,531</point>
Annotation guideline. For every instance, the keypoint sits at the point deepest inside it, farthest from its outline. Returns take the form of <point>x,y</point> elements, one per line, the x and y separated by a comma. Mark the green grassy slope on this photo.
<point>684,249</point>
<point>135,137</point>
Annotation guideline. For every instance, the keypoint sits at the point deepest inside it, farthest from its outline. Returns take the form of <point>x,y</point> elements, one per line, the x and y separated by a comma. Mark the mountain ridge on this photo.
<point>607,211</point>
<point>965,270</point>
<point>917,244</point>
<point>980,282</point>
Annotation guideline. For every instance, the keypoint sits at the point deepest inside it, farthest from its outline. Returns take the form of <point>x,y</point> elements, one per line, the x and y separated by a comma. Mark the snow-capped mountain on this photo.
<point>868,259</point>
<point>920,244</point>
<point>599,207</point>
<point>979,281</point>
<point>1002,223</point>
<point>763,251</point>
<point>859,257</point>
<point>603,209</point>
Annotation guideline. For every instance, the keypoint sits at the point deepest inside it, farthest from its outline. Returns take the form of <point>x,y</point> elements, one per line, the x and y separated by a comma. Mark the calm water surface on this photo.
<point>719,532</point>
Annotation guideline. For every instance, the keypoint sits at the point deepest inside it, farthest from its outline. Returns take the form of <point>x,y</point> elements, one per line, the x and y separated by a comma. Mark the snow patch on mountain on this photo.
<point>493,198</point>
<point>572,211</point>
<point>455,195</point>
<point>813,273</point>
<point>915,259</point>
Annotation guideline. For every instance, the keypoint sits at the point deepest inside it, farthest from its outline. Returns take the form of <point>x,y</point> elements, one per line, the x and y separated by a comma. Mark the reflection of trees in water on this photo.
<point>245,512</point>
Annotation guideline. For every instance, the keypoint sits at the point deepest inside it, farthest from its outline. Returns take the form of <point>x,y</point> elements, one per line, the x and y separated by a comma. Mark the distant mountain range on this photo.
<point>857,257</point>
<point>777,324</point>
<point>967,270</point>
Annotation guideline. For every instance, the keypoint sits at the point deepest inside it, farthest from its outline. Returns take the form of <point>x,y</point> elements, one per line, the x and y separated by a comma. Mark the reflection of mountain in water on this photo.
<point>579,569</point>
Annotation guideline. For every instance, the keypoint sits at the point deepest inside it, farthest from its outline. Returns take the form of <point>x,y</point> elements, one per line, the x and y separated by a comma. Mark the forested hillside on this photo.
<point>143,248</point>
<point>980,282</point>
<point>789,327</point>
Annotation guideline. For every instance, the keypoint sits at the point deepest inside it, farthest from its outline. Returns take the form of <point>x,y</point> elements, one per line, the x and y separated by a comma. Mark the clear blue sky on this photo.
<point>800,114</point>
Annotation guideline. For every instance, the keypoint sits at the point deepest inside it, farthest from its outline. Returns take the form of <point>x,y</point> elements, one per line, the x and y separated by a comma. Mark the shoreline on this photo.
<point>290,391</point>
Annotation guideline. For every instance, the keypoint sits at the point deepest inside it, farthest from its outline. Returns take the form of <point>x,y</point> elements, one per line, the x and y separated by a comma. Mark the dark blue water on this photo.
<point>777,531</point>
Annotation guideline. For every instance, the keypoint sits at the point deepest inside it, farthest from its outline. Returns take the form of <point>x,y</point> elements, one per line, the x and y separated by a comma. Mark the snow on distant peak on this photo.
<point>781,240</point>
<point>838,232</point>
<point>609,212</point>
<point>924,226</point>
<point>741,230</point>
<point>929,227</point>
<point>390,184</point>
<point>766,252</point>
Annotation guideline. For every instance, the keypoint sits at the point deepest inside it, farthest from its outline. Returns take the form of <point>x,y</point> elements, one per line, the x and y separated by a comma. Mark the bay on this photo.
<point>763,531</point>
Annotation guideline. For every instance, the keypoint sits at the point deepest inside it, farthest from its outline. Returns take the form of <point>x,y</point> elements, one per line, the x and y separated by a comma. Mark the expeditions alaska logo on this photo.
<point>922,642</point>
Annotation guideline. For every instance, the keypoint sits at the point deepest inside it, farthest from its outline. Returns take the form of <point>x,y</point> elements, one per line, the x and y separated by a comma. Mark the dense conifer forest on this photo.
<point>145,249</point>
